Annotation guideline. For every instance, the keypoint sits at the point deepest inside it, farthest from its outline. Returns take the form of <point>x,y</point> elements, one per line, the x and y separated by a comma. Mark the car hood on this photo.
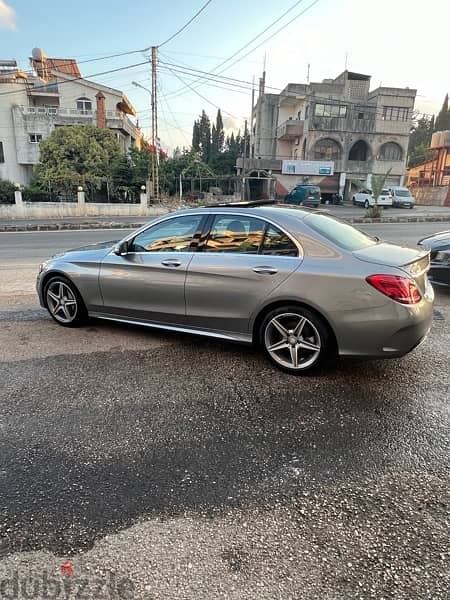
<point>438,241</point>
<point>392,255</point>
<point>90,252</point>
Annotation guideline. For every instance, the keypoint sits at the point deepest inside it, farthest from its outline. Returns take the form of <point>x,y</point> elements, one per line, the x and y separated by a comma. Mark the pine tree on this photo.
<point>204,127</point>
<point>219,132</point>
<point>196,137</point>
<point>214,142</point>
<point>443,119</point>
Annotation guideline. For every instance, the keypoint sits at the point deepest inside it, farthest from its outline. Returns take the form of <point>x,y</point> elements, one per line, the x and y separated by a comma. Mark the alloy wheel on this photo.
<point>61,302</point>
<point>292,341</point>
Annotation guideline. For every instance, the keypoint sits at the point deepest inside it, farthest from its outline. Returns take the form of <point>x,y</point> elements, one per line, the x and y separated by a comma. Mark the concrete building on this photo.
<point>362,132</point>
<point>53,94</point>
<point>429,182</point>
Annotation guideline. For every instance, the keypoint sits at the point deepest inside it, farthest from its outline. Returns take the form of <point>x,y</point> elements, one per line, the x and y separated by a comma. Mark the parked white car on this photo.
<point>365,198</point>
<point>402,197</point>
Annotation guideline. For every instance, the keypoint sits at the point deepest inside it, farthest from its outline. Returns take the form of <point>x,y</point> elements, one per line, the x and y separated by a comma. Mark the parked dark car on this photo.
<point>304,195</point>
<point>439,246</point>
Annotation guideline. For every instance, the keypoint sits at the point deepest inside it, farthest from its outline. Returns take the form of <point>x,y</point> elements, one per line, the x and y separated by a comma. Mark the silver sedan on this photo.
<point>299,283</point>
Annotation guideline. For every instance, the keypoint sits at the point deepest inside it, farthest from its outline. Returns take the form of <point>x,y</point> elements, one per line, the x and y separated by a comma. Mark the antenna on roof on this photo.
<point>307,74</point>
<point>346,60</point>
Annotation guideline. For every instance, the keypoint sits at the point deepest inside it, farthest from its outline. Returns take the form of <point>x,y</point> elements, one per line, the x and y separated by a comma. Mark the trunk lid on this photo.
<point>415,261</point>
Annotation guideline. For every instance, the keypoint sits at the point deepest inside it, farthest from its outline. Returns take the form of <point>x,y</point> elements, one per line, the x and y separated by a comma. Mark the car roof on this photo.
<point>265,210</point>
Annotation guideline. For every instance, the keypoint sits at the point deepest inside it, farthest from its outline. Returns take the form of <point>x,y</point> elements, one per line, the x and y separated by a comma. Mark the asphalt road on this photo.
<point>175,467</point>
<point>25,247</point>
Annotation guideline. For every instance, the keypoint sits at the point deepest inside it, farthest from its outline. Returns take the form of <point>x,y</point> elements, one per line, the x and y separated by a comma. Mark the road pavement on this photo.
<point>166,466</point>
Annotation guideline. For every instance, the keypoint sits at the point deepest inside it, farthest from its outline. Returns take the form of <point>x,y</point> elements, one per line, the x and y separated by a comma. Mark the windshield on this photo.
<point>402,193</point>
<point>340,233</point>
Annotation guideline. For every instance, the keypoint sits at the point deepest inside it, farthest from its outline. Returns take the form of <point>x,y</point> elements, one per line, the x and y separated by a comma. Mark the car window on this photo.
<point>402,193</point>
<point>233,233</point>
<point>173,235</point>
<point>278,243</point>
<point>342,234</point>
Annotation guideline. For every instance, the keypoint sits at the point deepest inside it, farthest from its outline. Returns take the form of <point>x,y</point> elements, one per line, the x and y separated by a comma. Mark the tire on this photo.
<point>289,327</point>
<point>72,312</point>
<point>366,204</point>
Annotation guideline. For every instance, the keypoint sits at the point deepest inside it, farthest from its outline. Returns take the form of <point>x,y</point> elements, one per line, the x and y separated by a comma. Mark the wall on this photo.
<point>44,210</point>
<point>436,196</point>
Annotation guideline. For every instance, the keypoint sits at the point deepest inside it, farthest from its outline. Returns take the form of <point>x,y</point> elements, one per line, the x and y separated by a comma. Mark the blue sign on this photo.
<point>324,170</point>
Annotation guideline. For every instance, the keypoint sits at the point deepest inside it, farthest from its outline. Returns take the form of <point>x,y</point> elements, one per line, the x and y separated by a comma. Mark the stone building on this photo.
<point>362,132</point>
<point>53,94</point>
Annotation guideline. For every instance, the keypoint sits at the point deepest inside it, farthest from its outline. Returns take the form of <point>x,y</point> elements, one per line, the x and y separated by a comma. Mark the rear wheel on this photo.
<point>64,302</point>
<point>294,339</point>
<point>366,204</point>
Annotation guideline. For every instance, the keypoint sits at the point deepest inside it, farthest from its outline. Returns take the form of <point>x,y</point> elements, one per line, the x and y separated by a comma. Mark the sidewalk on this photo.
<point>420,214</point>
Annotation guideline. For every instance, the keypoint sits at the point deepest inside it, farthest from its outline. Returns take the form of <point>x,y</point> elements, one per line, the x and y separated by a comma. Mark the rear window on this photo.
<point>340,233</point>
<point>402,193</point>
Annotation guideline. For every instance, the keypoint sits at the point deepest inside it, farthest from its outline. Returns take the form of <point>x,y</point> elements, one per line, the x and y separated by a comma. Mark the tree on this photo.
<point>443,118</point>
<point>419,141</point>
<point>217,135</point>
<point>7,190</point>
<point>77,155</point>
<point>196,137</point>
<point>377,184</point>
<point>204,127</point>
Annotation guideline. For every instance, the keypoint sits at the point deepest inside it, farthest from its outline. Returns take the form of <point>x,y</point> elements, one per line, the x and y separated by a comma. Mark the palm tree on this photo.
<point>377,184</point>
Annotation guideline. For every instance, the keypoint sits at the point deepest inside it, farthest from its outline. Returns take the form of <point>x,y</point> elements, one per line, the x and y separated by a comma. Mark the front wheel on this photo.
<point>366,204</point>
<point>64,302</point>
<point>294,339</point>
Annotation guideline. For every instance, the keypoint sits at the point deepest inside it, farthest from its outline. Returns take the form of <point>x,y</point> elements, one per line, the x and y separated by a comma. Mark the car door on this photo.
<point>147,282</point>
<point>241,261</point>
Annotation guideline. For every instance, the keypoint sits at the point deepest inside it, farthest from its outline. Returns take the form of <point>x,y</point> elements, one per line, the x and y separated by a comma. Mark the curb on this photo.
<point>121,225</point>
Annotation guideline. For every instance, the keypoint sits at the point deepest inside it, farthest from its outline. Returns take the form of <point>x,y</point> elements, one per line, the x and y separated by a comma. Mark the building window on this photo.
<point>84,105</point>
<point>390,151</point>
<point>35,138</point>
<point>327,149</point>
<point>330,110</point>
<point>2,154</point>
<point>359,151</point>
<point>395,113</point>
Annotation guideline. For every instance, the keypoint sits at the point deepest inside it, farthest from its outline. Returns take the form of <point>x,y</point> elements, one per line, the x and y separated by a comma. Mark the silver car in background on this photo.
<point>300,284</point>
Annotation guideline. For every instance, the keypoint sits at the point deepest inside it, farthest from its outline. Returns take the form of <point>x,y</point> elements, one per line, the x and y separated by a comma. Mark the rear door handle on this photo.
<point>171,262</point>
<point>265,270</point>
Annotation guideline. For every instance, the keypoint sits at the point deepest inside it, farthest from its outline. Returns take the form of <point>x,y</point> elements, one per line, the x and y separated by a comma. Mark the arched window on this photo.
<point>390,151</point>
<point>84,105</point>
<point>359,151</point>
<point>327,149</point>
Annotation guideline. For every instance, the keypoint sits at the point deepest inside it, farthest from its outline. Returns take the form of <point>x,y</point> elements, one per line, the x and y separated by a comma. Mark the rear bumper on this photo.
<point>385,332</point>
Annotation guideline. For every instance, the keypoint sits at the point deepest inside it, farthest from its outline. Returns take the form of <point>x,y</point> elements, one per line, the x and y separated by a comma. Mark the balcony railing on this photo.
<point>290,129</point>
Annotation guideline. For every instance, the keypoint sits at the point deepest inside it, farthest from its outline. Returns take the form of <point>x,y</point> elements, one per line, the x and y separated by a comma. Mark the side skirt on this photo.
<point>234,337</point>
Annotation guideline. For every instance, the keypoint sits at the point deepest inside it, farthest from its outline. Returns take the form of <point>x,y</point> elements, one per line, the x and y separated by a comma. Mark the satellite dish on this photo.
<point>38,54</point>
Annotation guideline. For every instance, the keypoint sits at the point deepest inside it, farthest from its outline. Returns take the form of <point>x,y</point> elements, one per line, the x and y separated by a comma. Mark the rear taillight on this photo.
<point>400,289</point>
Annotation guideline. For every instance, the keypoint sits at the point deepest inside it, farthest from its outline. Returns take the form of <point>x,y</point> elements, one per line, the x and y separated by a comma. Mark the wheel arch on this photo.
<point>257,321</point>
<point>47,276</point>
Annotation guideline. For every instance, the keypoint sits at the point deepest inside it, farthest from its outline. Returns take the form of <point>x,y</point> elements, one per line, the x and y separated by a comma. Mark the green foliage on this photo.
<point>187,164</point>
<point>7,190</point>
<point>217,136</point>
<point>377,185</point>
<point>419,141</point>
<point>77,155</point>
<point>443,118</point>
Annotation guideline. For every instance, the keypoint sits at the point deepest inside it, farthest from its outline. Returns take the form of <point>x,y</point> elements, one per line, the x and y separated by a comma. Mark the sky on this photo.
<point>401,43</point>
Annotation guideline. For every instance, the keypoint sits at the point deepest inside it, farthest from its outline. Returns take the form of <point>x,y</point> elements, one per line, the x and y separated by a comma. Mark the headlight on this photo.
<point>42,267</point>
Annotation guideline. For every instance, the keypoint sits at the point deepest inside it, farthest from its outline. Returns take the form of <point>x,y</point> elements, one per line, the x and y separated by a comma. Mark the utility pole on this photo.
<point>252,141</point>
<point>155,139</point>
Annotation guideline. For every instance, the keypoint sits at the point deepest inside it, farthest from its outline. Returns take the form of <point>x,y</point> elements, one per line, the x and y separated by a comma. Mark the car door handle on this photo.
<point>171,262</point>
<point>265,270</point>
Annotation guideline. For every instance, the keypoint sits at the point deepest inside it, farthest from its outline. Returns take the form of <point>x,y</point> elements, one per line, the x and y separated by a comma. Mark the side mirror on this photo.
<point>121,249</point>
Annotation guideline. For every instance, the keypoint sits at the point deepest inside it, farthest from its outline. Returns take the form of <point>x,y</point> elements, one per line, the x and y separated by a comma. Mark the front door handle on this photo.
<point>265,270</point>
<point>171,262</point>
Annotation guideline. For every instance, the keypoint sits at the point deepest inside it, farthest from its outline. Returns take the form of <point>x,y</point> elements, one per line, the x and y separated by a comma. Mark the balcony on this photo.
<point>119,120</point>
<point>342,124</point>
<point>290,129</point>
<point>44,90</point>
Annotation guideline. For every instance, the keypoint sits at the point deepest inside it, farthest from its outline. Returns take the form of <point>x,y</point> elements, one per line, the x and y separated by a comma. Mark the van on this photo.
<point>304,195</point>
<point>401,197</point>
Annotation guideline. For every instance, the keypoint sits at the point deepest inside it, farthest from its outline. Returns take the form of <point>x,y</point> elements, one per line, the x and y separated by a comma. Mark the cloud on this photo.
<point>7,16</point>
<point>232,123</point>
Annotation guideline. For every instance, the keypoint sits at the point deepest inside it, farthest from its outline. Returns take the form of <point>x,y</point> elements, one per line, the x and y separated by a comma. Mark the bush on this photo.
<point>7,190</point>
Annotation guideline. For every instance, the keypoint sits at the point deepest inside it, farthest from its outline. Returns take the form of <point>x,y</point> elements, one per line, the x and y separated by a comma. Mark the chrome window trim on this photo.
<point>203,212</point>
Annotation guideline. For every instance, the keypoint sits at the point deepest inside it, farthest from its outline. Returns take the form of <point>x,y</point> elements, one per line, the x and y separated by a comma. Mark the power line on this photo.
<point>169,39</point>
<point>72,79</point>
<point>259,35</point>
